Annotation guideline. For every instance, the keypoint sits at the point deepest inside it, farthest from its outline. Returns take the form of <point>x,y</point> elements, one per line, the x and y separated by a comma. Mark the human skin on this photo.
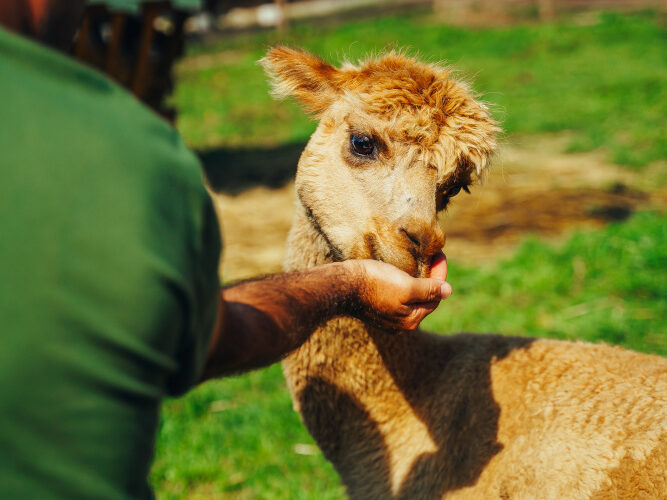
<point>262,321</point>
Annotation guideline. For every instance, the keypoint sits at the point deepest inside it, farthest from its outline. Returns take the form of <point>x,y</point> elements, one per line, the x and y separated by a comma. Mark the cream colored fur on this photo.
<point>424,416</point>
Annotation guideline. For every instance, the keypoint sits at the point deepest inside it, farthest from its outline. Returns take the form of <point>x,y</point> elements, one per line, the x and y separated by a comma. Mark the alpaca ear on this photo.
<point>302,75</point>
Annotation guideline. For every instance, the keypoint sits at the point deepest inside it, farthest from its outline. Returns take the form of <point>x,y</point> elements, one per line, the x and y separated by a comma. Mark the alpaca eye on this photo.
<point>362,145</point>
<point>456,190</point>
<point>453,191</point>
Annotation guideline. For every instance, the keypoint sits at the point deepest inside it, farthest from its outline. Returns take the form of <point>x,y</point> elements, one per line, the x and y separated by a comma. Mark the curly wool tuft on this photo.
<point>424,104</point>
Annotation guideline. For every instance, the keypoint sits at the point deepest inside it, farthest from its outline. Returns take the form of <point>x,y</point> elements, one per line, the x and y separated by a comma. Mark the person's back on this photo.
<point>108,256</point>
<point>109,295</point>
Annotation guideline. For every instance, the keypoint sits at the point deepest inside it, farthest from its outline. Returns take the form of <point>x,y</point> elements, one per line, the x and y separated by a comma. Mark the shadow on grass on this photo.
<point>234,170</point>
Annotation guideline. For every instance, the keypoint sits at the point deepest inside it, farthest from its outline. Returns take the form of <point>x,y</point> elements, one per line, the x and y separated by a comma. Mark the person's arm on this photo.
<point>262,321</point>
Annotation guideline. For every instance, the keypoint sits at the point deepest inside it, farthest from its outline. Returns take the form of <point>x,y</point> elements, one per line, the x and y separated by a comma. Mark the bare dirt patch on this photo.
<point>255,224</point>
<point>533,188</point>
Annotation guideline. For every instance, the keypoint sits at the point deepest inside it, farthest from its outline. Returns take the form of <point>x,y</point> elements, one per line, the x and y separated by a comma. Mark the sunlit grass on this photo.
<point>235,438</point>
<point>605,82</point>
<point>609,286</point>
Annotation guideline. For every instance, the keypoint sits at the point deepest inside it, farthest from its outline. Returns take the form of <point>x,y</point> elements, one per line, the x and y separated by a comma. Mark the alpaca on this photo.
<point>425,416</point>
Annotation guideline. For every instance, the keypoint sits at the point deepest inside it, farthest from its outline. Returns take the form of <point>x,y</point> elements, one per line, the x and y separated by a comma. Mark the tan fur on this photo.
<point>423,416</point>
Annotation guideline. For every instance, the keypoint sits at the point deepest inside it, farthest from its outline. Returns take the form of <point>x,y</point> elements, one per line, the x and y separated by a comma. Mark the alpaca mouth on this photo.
<point>407,259</point>
<point>423,268</point>
<point>423,260</point>
<point>424,263</point>
<point>438,266</point>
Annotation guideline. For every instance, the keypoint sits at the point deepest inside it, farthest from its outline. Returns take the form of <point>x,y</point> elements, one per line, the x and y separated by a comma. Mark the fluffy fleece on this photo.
<point>423,416</point>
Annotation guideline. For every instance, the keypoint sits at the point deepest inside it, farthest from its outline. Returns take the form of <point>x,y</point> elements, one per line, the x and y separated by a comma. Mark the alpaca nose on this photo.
<point>427,238</point>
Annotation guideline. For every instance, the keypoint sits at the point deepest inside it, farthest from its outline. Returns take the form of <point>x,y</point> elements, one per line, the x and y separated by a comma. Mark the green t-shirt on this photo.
<point>108,286</point>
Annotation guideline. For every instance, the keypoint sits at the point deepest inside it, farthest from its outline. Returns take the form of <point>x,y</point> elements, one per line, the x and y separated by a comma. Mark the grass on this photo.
<point>235,438</point>
<point>606,286</point>
<point>605,82</point>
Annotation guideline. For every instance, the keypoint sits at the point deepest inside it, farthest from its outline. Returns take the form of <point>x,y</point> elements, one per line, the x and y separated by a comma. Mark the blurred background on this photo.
<point>567,238</point>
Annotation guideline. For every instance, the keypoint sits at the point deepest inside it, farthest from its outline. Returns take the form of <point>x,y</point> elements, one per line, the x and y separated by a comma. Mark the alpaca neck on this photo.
<point>361,372</point>
<point>343,345</point>
<point>306,246</point>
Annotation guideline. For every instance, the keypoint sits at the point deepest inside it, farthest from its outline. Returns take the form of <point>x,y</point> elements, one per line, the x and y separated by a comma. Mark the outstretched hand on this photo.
<point>394,299</point>
<point>261,321</point>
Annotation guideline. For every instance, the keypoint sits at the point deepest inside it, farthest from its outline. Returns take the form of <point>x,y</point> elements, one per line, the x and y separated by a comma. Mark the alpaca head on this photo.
<point>396,140</point>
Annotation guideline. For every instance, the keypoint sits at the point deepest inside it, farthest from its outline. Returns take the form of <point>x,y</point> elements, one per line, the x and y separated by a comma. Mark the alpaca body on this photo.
<point>420,416</point>
<point>424,416</point>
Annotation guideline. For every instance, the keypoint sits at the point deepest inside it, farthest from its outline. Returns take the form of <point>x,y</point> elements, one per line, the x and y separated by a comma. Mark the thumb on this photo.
<point>428,290</point>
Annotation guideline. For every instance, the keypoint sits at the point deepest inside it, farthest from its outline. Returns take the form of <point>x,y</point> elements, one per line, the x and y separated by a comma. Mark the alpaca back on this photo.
<point>481,416</point>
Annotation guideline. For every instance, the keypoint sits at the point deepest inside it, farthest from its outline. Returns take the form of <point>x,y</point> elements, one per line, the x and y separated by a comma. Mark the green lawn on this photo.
<point>605,82</point>
<point>236,437</point>
<point>609,285</point>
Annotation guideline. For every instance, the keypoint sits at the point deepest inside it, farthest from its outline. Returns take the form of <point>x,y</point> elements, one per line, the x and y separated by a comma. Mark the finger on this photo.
<point>397,324</point>
<point>428,290</point>
<point>413,321</point>
<point>402,310</point>
<point>426,307</point>
<point>417,314</point>
<point>439,267</point>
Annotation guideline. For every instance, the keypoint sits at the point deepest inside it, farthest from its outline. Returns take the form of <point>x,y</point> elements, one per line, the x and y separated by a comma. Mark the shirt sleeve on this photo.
<point>204,294</point>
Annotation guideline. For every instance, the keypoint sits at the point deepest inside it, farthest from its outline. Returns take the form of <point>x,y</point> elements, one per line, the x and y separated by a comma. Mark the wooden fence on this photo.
<point>546,10</point>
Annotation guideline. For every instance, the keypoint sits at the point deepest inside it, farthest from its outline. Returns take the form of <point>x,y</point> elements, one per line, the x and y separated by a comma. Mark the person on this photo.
<point>109,294</point>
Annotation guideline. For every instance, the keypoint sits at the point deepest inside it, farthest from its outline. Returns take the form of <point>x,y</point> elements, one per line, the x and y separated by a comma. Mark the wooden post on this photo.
<point>283,22</point>
<point>546,9</point>
<point>150,11</point>
<point>83,39</point>
<point>452,11</point>
<point>174,51</point>
<point>82,45</point>
<point>113,49</point>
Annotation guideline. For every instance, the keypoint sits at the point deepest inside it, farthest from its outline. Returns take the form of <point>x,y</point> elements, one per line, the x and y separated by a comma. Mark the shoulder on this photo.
<point>58,107</point>
<point>71,128</point>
